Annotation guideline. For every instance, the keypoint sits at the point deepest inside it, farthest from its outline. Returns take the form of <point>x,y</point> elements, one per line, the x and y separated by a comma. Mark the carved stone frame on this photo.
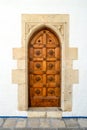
<point>60,25</point>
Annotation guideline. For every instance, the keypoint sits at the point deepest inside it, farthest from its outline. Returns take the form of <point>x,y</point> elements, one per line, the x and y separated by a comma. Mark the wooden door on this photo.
<point>44,70</point>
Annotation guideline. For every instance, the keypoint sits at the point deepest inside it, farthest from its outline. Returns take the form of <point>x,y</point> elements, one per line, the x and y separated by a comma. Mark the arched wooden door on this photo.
<point>44,69</point>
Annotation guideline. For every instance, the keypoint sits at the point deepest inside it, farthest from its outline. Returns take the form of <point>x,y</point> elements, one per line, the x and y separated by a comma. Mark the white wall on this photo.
<point>10,37</point>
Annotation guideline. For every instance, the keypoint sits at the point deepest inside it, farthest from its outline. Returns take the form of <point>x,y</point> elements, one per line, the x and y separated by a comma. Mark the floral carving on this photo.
<point>51,66</point>
<point>60,27</point>
<point>52,92</point>
<point>38,52</point>
<point>37,91</point>
<point>38,65</point>
<point>28,26</point>
<point>38,78</point>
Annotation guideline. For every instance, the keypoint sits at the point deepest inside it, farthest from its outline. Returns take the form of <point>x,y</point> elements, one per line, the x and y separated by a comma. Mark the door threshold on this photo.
<point>47,112</point>
<point>44,109</point>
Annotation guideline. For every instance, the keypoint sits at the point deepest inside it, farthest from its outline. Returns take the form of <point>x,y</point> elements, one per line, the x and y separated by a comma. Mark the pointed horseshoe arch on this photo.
<point>44,69</point>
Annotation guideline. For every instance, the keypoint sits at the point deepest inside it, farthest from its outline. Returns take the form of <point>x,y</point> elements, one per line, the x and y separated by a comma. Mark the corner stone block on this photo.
<point>75,76</point>
<point>69,64</point>
<point>73,53</point>
<point>18,76</point>
<point>21,64</point>
<point>22,98</point>
<point>18,53</point>
<point>67,105</point>
<point>68,74</point>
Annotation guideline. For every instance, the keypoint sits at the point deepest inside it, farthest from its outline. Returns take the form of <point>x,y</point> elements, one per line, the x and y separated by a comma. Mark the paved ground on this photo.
<point>42,124</point>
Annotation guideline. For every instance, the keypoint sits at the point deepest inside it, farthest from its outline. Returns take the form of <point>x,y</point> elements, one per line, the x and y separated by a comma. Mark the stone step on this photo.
<point>45,112</point>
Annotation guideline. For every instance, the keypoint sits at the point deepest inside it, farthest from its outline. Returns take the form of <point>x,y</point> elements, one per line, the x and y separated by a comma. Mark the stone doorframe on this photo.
<point>60,25</point>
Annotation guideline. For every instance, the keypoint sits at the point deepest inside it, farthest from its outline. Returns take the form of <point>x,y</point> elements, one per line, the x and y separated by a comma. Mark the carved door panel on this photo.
<point>44,70</point>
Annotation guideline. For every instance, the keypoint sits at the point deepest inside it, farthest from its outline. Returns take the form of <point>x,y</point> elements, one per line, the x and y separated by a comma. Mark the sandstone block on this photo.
<point>21,64</point>
<point>18,76</point>
<point>19,53</point>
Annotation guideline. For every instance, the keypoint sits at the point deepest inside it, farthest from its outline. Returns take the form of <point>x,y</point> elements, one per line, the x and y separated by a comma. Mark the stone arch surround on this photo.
<point>60,25</point>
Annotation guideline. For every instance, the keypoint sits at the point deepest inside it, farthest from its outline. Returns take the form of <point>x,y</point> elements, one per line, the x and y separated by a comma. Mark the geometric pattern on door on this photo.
<point>44,69</point>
